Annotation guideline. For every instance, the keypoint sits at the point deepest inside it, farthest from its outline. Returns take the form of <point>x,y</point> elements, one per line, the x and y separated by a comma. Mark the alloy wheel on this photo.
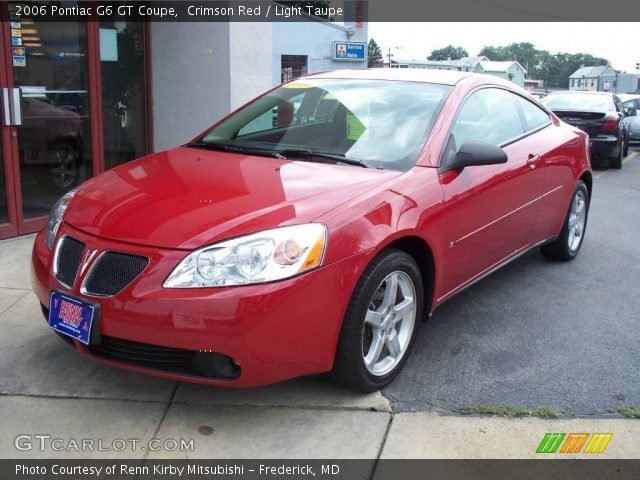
<point>577,220</point>
<point>65,169</point>
<point>389,323</point>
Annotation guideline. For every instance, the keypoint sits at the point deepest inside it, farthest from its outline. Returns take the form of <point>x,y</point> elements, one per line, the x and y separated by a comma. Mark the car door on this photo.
<point>633,122</point>
<point>490,209</point>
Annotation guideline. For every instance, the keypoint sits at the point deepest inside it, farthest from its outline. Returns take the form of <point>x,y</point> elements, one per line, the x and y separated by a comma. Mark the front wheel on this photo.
<point>65,168</point>
<point>567,245</point>
<point>381,322</point>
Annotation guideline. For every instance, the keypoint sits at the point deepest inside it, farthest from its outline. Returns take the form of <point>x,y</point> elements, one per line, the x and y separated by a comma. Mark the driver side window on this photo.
<point>489,115</point>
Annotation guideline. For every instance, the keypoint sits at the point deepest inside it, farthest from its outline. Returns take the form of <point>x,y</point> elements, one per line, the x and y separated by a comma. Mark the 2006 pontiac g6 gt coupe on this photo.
<point>312,229</point>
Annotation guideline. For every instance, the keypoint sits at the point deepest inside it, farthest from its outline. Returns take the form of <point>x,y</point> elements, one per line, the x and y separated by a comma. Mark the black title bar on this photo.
<point>347,11</point>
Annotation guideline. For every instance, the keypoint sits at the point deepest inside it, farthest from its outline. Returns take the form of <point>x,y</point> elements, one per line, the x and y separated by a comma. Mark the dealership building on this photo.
<point>79,98</point>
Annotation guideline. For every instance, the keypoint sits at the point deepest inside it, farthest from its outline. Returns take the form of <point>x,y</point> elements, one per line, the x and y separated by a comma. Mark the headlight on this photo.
<point>55,217</point>
<point>261,257</point>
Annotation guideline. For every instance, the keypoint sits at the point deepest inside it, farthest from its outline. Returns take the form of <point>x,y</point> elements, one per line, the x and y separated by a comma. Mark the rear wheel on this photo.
<point>625,151</point>
<point>381,322</point>
<point>567,245</point>
<point>616,162</point>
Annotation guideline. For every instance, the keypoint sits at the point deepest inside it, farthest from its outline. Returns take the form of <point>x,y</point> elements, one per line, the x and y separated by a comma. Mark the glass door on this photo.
<point>48,112</point>
<point>8,216</point>
<point>7,224</point>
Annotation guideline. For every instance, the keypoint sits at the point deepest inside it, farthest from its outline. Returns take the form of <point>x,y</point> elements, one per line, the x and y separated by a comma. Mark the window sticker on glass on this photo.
<point>355,128</point>
<point>297,85</point>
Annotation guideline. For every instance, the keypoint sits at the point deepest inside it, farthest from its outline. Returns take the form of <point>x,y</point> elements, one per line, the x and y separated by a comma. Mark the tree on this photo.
<point>495,54</point>
<point>374,53</point>
<point>554,68</point>
<point>448,53</point>
<point>562,65</point>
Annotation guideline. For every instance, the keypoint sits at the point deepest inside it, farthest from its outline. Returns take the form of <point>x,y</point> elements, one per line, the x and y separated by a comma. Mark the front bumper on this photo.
<point>273,331</point>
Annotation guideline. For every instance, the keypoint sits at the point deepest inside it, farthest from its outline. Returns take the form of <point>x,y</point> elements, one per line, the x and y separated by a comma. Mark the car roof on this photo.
<point>628,96</point>
<point>584,92</point>
<point>444,77</point>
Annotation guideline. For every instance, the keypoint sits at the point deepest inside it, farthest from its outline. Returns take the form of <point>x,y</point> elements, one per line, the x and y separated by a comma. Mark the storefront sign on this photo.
<point>350,51</point>
<point>19,57</point>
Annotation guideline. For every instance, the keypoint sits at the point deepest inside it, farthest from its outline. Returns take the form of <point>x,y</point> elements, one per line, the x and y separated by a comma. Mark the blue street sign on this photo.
<point>350,51</point>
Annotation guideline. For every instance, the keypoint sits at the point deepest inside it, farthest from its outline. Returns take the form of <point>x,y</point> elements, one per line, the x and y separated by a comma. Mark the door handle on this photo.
<point>16,106</point>
<point>532,160</point>
<point>6,112</point>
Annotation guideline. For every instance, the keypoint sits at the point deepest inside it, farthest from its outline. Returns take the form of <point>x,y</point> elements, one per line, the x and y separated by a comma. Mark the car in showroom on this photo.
<point>601,115</point>
<point>313,229</point>
<point>631,103</point>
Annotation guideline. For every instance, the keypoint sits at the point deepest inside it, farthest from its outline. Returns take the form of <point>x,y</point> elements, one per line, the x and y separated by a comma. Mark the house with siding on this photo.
<point>588,78</point>
<point>511,70</point>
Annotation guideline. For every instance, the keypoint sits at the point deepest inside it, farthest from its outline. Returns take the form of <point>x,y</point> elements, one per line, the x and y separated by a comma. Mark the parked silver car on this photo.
<point>632,101</point>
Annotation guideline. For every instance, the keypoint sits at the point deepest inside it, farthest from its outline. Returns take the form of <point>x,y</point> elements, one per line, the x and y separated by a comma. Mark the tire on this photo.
<point>391,332</point>
<point>625,151</point>
<point>65,169</point>
<point>616,162</point>
<point>567,246</point>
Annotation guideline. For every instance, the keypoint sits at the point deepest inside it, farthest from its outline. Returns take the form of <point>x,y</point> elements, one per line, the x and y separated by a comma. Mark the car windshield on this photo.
<point>579,102</point>
<point>382,124</point>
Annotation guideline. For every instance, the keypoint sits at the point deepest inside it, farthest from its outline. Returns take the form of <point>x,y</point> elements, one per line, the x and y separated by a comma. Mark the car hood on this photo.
<point>185,198</point>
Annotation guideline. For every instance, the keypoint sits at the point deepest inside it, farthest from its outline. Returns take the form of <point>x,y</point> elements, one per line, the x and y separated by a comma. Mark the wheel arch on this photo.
<point>422,253</point>
<point>587,178</point>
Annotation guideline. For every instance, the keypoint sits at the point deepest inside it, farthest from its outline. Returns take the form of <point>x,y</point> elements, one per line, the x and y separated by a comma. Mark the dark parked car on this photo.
<point>601,115</point>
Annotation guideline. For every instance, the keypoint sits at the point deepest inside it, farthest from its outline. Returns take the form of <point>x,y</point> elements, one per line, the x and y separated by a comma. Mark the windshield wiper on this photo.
<point>225,147</point>
<point>302,153</point>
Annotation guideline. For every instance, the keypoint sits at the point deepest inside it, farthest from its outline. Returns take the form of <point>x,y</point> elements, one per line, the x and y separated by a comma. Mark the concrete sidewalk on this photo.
<point>46,388</point>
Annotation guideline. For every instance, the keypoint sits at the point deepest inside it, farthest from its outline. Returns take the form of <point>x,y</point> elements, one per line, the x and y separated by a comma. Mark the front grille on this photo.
<point>112,272</point>
<point>68,260</point>
<point>166,359</point>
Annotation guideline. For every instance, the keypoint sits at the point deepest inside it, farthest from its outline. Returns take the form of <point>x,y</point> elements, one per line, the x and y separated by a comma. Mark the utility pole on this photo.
<point>389,55</point>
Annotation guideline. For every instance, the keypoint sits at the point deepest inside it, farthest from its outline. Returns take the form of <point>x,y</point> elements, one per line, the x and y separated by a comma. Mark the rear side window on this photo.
<point>534,116</point>
<point>490,115</point>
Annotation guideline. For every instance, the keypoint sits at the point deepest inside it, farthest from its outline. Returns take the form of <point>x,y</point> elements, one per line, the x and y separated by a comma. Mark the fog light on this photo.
<point>216,365</point>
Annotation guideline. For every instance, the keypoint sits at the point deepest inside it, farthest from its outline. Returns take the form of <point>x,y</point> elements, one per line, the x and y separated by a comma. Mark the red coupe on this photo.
<point>312,229</point>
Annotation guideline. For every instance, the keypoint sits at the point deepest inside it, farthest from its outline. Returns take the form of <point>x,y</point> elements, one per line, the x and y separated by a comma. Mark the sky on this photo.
<point>617,42</point>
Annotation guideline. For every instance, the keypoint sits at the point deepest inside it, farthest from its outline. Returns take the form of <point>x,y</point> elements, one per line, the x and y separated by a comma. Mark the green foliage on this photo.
<point>510,411</point>
<point>629,412</point>
<point>448,52</point>
<point>554,69</point>
<point>374,53</point>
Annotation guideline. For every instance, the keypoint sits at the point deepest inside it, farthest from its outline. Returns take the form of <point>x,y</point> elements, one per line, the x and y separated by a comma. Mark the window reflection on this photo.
<point>122,61</point>
<point>54,139</point>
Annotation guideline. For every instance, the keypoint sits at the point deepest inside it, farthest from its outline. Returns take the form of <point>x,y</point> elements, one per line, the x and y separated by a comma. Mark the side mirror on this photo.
<point>475,153</point>
<point>631,112</point>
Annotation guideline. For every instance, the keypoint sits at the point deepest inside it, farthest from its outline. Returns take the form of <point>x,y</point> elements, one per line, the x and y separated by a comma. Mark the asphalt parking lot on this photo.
<point>535,334</point>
